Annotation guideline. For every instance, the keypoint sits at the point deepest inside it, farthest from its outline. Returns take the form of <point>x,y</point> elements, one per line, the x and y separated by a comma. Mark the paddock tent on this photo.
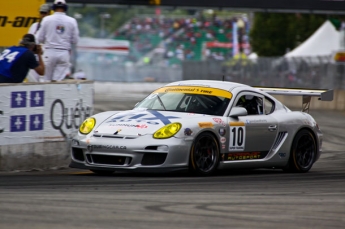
<point>323,42</point>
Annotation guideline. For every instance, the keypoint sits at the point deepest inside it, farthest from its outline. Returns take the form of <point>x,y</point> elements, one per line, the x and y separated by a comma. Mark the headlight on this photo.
<point>167,131</point>
<point>87,125</point>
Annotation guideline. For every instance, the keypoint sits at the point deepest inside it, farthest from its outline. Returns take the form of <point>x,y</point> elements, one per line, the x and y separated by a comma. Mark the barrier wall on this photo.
<point>36,121</point>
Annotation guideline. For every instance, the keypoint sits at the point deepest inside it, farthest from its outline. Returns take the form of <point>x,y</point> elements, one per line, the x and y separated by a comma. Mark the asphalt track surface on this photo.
<point>247,199</point>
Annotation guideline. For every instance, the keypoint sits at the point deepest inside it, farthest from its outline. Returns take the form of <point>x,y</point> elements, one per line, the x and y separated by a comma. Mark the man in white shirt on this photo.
<point>34,30</point>
<point>58,32</point>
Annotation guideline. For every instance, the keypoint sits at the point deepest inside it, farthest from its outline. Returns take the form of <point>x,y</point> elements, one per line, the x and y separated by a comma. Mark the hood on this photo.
<point>141,122</point>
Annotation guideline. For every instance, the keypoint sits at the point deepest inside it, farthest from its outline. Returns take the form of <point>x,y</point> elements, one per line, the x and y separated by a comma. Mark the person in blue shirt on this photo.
<point>16,61</point>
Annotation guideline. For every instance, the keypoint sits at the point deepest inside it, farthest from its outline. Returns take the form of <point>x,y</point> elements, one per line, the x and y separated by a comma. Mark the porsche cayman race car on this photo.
<point>202,126</point>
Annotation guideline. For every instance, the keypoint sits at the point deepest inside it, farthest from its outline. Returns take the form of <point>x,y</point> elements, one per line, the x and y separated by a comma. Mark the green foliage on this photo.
<point>273,34</point>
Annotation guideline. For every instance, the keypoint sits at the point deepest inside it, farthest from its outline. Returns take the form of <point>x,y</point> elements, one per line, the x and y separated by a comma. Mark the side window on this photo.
<point>253,104</point>
<point>268,105</point>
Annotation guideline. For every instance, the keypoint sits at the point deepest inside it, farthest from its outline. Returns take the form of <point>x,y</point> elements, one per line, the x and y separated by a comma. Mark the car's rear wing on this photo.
<point>322,94</point>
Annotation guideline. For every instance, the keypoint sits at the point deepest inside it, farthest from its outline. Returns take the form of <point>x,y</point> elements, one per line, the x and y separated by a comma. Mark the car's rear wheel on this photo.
<point>204,155</point>
<point>102,172</point>
<point>303,152</point>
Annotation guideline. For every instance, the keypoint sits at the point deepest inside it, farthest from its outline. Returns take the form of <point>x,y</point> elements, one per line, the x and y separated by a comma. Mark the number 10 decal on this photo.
<point>237,138</point>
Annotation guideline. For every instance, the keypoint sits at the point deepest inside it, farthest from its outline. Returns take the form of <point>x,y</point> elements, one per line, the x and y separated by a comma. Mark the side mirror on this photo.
<point>238,111</point>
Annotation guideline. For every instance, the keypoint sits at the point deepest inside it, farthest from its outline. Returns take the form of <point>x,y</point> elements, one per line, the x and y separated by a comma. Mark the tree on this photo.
<point>273,34</point>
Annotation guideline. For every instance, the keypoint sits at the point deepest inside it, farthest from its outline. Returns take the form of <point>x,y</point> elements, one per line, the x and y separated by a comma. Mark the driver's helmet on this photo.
<point>241,102</point>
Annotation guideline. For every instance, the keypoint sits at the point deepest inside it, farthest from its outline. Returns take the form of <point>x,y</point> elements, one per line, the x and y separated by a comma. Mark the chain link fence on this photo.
<point>318,72</point>
<point>307,72</point>
<point>123,73</point>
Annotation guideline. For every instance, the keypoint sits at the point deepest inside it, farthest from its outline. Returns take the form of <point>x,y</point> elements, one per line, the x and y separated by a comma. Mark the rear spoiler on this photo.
<point>322,94</point>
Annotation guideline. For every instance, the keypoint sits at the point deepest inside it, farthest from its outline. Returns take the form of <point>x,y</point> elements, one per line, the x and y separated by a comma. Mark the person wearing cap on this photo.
<point>58,33</point>
<point>16,61</point>
<point>44,11</point>
<point>35,27</point>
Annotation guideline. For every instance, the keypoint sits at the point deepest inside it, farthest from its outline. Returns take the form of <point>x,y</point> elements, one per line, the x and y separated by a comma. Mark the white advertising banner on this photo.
<point>43,112</point>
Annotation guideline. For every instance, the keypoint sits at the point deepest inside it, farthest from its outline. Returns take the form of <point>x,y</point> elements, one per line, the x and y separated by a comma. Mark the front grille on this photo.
<point>108,160</point>
<point>88,157</point>
<point>154,158</point>
<point>78,154</point>
<point>114,136</point>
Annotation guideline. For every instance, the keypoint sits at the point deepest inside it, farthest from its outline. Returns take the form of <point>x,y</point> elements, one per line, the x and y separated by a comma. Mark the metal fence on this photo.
<point>306,72</point>
<point>122,73</point>
<point>318,72</point>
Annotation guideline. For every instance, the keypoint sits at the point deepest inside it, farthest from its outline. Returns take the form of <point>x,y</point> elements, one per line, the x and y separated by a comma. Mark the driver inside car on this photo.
<point>250,104</point>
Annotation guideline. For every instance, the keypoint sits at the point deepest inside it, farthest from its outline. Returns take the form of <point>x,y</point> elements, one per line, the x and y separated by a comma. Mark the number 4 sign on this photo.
<point>237,136</point>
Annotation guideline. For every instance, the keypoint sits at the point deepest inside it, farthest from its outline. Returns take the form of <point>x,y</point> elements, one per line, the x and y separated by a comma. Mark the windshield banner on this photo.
<point>195,90</point>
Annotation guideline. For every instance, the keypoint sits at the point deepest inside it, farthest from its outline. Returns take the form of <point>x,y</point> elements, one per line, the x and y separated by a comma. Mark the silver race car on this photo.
<point>202,126</point>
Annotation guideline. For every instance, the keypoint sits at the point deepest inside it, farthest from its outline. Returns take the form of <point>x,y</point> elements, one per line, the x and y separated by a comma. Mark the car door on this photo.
<point>254,133</point>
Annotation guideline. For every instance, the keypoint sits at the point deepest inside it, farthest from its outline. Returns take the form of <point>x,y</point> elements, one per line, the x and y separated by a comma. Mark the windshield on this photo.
<point>199,100</point>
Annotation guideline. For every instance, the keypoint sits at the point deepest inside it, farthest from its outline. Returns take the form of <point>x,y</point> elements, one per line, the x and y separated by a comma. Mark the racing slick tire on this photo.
<point>303,152</point>
<point>204,155</point>
<point>102,172</point>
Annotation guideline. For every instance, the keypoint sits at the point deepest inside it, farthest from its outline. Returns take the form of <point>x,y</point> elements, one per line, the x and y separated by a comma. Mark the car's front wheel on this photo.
<point>303,152</point>
<point>204,155</point>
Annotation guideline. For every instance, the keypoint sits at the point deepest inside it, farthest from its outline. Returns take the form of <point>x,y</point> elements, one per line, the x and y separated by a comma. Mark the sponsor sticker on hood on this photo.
<point>137,122</point>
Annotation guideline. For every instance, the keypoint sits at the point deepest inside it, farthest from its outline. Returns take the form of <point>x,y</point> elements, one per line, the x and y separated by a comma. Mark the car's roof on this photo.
<point>225,85</point>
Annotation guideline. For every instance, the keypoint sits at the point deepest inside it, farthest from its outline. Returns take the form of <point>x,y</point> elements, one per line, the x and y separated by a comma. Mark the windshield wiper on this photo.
<point>160,101</point>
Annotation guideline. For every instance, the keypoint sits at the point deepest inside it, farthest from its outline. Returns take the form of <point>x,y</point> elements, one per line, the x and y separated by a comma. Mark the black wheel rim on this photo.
<point>205,154</point>
<point>305,151</point>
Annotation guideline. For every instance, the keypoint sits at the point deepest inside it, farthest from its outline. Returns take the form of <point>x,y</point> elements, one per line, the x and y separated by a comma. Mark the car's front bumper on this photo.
<point>143,153</point>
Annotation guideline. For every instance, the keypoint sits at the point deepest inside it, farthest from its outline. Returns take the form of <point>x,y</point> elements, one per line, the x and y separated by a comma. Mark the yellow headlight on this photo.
<point>168,130</point>
<point>87,126</point>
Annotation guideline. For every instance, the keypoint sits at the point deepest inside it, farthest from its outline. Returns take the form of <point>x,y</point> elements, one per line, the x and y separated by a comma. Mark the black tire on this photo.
<point>102,172</point>
<point>303,152</point>
<point>204,155</point>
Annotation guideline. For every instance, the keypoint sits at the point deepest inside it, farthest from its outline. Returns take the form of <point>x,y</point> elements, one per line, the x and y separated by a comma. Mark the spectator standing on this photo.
<point>16,61</point>
<point>34,30</point>
<point>35,27</point>
<point>58,32</point>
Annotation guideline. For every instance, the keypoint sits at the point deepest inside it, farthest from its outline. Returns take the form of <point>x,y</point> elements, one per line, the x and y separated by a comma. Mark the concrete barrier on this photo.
<point>36,121</point>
